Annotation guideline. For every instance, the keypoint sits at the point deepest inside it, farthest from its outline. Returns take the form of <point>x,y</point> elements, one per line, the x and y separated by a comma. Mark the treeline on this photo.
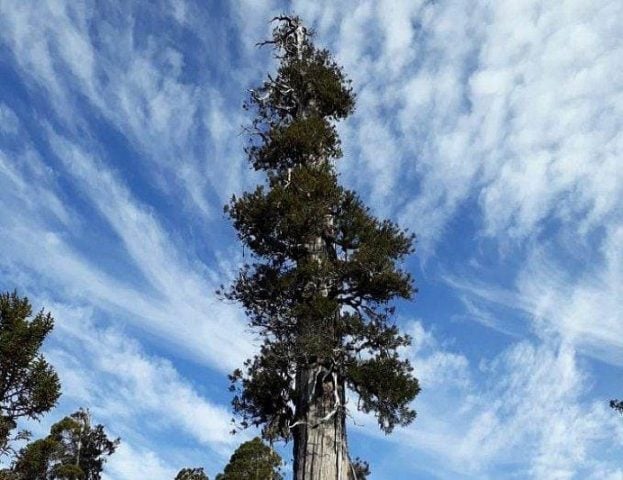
<point>75,448</point>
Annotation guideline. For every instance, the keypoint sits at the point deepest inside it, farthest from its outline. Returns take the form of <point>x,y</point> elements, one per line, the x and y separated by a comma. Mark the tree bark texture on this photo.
<point>320,448</point>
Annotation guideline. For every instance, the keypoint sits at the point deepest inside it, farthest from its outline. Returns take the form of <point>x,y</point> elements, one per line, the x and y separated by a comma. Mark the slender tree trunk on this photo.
<point>320,448</point>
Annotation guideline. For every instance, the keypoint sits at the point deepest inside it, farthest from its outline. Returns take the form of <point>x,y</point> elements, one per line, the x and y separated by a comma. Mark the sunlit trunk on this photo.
<point>320,448</point>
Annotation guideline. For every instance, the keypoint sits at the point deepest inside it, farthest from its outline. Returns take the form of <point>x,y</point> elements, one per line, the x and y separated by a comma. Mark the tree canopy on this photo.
<point>253,460</point>
<point>74,450</point>
<point>191,474</point>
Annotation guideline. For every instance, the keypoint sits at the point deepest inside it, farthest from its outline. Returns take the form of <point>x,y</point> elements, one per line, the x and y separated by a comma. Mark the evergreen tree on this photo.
<point>29,386</point>
<point>74,450</point>
<point>191,474</point>
<point>323,274</point>
<point>253,460</point>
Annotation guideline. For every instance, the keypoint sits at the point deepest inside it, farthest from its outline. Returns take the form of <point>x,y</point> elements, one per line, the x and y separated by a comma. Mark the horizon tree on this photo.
<point>323,274</point>
<point>74,450</point>
<point>253,460</point>
<point>29,385</point>
<point>191,474</point>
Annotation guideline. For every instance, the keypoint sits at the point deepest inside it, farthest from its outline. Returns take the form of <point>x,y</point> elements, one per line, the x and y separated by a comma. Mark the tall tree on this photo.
<point>617,405</point>
<point>74,450</point>
<point>29,386</point>
<point>323,274</point>
<point>253,460</point>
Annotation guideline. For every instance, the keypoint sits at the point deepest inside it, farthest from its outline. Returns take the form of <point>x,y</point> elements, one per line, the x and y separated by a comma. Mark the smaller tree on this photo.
<point>29,386</point>
<point>191,474</point>
<point>253,460</point>
<point>74,450</point>
<point>35,460</point>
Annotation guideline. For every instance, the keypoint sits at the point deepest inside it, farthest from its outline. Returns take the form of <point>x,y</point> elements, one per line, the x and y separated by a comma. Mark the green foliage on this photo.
<point>191,474</point>
<point>29,386</point>
<point>74,450</point>
<point>294,109</point>
<point>324,270</point>
<point>34,460</point>
<point>385,386</point>
<point>299,142</point>
<point>253,460</point>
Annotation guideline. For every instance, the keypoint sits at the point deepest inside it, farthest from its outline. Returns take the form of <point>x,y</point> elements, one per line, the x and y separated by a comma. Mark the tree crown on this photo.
<point>253,460</point>
<point>324,270</point>
<point>191,474</point>
<point>74,450</point>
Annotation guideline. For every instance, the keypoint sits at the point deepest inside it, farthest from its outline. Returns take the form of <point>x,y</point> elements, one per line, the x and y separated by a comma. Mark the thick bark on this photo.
<point>320,448</point>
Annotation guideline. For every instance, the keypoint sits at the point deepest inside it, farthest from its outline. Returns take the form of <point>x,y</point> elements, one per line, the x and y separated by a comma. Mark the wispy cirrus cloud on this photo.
<point>140,396</point>
<point>140,84</point>
<point>523,121</point>
<point>523,414</point>
<point>492,130</point>
<point>172,286</point>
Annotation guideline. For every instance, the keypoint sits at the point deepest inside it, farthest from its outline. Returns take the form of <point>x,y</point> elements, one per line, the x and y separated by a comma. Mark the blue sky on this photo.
<point>493,130</point>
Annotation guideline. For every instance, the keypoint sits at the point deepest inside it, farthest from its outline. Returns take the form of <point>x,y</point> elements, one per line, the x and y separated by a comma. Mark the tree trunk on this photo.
<point>320,448</point>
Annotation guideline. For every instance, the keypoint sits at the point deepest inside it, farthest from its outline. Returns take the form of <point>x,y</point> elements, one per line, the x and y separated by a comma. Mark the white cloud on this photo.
<point>528,411</point>
<point>584,308</point>
<point>178,302</point>
<point>434,364</point>
<point>130,463</point>
<point>139,86</point>
<point>132,391</point>
<point>579,306</point>
<point>27,185</point>
<point>188,295</point>
<point>9,123</point>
